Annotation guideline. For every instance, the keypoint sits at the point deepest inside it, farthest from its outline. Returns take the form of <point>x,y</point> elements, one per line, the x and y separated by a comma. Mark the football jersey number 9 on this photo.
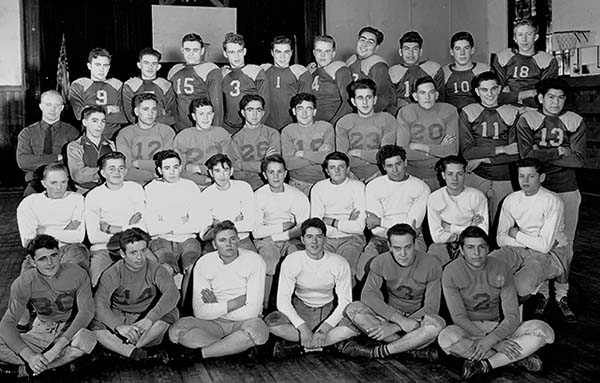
<point>101,97</point>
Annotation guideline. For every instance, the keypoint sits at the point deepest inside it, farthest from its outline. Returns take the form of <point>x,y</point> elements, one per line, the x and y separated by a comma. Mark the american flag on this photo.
<point>62,71</point>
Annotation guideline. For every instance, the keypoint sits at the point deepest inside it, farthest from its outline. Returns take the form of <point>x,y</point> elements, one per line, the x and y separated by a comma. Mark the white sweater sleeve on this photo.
<point>27,221</point>
<point>71,236</point>
<point>505,222</point>
<point>343,290</point>
<point>207,311</point>
<point>544,241</point>
<point>287,284</point>
<point>92,220</point>
<point>358,225</point>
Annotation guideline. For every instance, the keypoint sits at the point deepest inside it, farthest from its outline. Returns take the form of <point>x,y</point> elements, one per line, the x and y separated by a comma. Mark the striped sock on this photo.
<point>380,351</point>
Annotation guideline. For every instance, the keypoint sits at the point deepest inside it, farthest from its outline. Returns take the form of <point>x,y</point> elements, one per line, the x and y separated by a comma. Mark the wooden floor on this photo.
<point>574,357</point>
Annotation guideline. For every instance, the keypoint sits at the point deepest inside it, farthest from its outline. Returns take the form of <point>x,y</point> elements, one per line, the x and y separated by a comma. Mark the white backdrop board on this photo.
<point>170,23</point>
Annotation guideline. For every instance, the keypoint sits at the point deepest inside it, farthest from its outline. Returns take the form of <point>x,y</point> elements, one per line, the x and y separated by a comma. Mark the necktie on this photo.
<point>48,141</point>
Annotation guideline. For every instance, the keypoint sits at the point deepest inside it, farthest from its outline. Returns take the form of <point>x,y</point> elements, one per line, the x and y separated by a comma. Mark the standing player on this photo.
<point>481,297</point>
<point>366,64</point>
<point>362,134</point>
<point>428,131</point>
<point>98,90</point>
<point>255,141</point>
<point>330,81</point>
<point>459,74</point>
<point>285,81</point>
<point>148,82</point>
<point>139,142</point>
<point>194,79</point>
<point>411,68</point>
<point>239,80</point>
<point>488,141</point>
<point>42,143</point>
<point>305,144</point>
<point>520,70</point>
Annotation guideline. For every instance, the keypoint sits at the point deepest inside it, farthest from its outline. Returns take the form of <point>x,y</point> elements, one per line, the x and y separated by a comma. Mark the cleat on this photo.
<point>473,367</point>
<point>283,349</point>
<point>353,349</point>
<point>429,354</point>
<point>565,311</point>
<point>532,363</point>
<point>540,306</point>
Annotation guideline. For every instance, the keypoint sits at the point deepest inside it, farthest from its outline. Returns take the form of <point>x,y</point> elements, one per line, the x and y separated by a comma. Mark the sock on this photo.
<point>487,365</point>
<point>560,290</point>
<point>381,351</point>
<point>138,354</point>
<point>544,289</point>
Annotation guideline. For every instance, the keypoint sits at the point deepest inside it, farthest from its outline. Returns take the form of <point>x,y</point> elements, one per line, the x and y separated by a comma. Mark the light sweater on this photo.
<point>273,209</point>
<point>228,204</point>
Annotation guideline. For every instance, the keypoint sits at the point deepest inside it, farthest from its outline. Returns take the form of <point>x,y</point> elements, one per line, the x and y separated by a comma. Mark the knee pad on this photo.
<point>540,329</point>
<point>448,337</point>
<point>257,331</point>
<point>434,321</point>
<point>354,308</point>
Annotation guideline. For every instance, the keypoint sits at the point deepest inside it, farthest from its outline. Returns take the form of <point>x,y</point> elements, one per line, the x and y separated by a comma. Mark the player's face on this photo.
<point>305,113</point>
<point>227,242</point>
<point>411,53</point>
<point>364,100</point>
<point>324,53</point>
<point>488,91</point>
<point>525,37</point>
<point>99,68</point>
<point>314,241</point>
<point>51,106</point>
<point>114,171</point>
<point>204,116</point>
<point>235,53</point>
<point>366,45</point>
<point>149,66</point>
<point>221,173</point>
<point>253,113</point>
<point>426,95</point>
<point>475,251</point>
<point>192,52</point>
<point>170,170</point>
<point>454,175</point>
<point>46,261</point>
<point>134,255</point>
<point>553,102</point>
<point>530,180</point>
<point>337,170</point>
<point>282,54</point>
<point>146,112</point>
<point>462,52</point>
<point>402,248</point>
<point>275,174</point>
<point>94,124</point>
<point>395,168</point>
<point>56,182</point>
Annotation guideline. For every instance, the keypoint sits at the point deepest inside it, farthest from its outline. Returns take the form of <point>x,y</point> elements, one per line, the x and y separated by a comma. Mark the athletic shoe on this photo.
<point>283,349</point>
<point>473,367</point>
<point>9,370</point>
<point>540,306</point>
<point>532,363</point>
<point>429,354</point>
<point>157,356</point>
<point>565,311</point>
<point>353,349</point>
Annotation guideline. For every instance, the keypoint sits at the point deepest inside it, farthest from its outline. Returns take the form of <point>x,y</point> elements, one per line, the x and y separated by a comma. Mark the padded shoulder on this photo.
<point>473,111</point>
<point>298,70</point>
<point>134,83</point>
<point>312,66</point>
<point>225,70</point>
<point>163,84</point>
<point>509,113</point>
<point>480,68</point>
<point>397,72</point>
<point>370,62</point>
<point>202,70</point>
<point>351,60</point>
<point>252,71</point>
<point>115,83</point>
<point>84,82</point>
<point>571,120</point>
<point>543,59</point>
<point>504,55</point>
<point>333,67</point>
<point>447,71</point>
<point>266,66</point>
<point>176,68</point>
<point>534,119</point>
<point>430,67</point>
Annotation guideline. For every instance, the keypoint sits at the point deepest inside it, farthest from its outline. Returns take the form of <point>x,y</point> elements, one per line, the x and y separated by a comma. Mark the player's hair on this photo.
<point>297,99</point>
<point>131,235</point>
<point>463,35</point>
<point>163,155</point>
<point>52,92</point>
<point>149,52</point>
<point>54,167</point>
<point>192,37</point>
<point>272,158</point>
<point>233,38</point>
<point>531,163</point>
<point>363,83</point>
<point>527,22</point>
<point>139,98</point>
<point>89,110</point>
<point>484,76</point>
<point>224,225</point>
<point>41,241</point>
<point>111,156</point>
<point>335,156</point>
<point>247,98</point>
<point>411,37</point>
<point>473,232</point>
<point>282,40</point>
<point>325,39</point>
<point>99,52</point>
<point>198,102</point>
<point>389,151</point>
<point>315,222</point>
<point>552,83</point>
<point>401,229</point>
<point>378,34</point>
<point>423,80</point>
<point>443,163</point>
<point>217,159</point>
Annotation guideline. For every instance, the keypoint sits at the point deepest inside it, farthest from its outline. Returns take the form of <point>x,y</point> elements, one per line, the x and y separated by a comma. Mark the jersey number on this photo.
<point>315,84</point>
<point>194,156</point>
<point>248,150</point>
<point>314,144</point>
<point>63,303</point>
<point>235,84</point>
<point>406,89</point>
<point>434,131</point>
<point>360,141</point>
<point>153,147</point>
<point>278,85</point>
<point>188,85</point>
<point>464,87</point>
<point>483,301</point>
<point>355,76</point>
<point>101,97</point>
<point>557,140</point>
<point>484,130</point>
<point>521,71</point>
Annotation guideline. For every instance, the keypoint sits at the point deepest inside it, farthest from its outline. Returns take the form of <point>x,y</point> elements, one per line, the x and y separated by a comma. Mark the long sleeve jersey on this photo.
<point>457,84</point>
<point>377,69</point>
<point>196,145</point>
<point>404,77</point>
<point>274,209</point>
<point>161,88</point>
<point>82,160</point>
<point>237,82</point>
<point>329,87</point>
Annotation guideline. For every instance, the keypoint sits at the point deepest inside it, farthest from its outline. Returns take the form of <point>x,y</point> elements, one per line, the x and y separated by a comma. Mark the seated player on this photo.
<point>488,141</point>
<point>136,300</point>
<point>61,296</point>
<point>453,208</point>
<point>481,297</point>
<point>340,202</point>
<point>83,153</point>
<point>228,200</point>
<point>110,208</point>
<point>532,240</point>
<point>395,197</point>
<point>97,90</point>
<point>280,210</point>
<point>227,300</point>
<point>330,81</point>
<point>198,143</point>
<point>366,64</point>
<point>412,67</point>
<point>148,82</point>
<point>360,135</point>
<point>305,144</point>
<point>521,69</point>
<point>314,289</point>
<point>194,79</point>
<point>428,131</point>
<point>408,320</point>
<point>139,142</point>
<point>285,81</point>
<point>42,143</point>
<point>253,142</point>
<point>459,74</point>
<point>239,80</point>
<point>175,215</point>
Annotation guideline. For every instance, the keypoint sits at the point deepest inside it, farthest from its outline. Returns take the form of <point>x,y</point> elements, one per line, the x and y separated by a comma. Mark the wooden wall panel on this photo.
<point>12,120</point>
